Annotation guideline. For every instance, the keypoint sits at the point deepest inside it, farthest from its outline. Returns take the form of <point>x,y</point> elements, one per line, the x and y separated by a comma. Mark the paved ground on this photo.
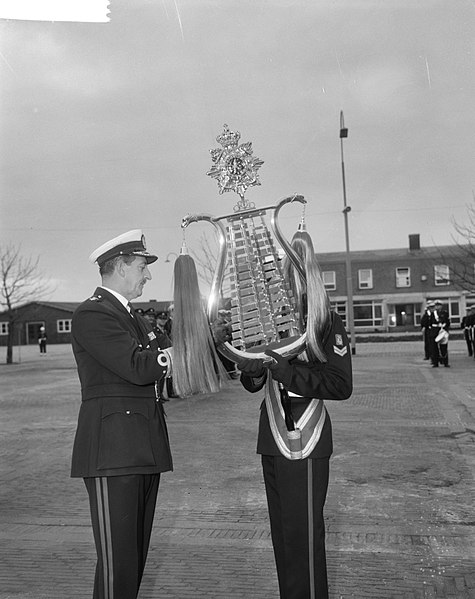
<point>400,512</point>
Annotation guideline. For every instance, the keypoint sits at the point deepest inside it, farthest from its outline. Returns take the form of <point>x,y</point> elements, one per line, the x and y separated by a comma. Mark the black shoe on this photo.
<point>426,358</point>
<point>446,365</point>
<point>435,366</point>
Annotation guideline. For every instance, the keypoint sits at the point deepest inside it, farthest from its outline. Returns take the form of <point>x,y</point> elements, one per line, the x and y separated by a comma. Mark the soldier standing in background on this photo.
<point>425,327</point>
<point>467,326</point>
<point>42,340</point>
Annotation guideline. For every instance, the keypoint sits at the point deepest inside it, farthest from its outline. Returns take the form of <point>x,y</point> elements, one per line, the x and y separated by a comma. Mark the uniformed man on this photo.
<point>425,327</point>
<point>121,445</point>
<point>42,340</point>
<point>471,326</point>
<point>161,325</point>
<point>440,323</point>
<point>164,341</point>
<point>467,326</point>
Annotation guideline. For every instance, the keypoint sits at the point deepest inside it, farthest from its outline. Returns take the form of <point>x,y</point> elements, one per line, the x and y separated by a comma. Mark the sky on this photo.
<point>108,126</point>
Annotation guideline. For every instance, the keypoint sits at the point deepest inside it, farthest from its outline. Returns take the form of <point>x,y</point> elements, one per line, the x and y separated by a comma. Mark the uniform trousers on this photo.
<point>439,351</point>
<point>426,337</point>
<point>296,491</point>
<point>122,511</point>
<point>468,340</point>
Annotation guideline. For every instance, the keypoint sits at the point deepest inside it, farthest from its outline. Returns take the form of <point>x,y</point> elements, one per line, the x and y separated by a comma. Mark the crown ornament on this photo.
<point>234,166</point>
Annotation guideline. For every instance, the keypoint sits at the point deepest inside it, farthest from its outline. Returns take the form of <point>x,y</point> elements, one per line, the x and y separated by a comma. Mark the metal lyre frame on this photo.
<point>263,312</point>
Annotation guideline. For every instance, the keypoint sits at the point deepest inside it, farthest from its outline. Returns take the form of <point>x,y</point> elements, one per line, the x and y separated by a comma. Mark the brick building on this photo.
<point>391,287</point>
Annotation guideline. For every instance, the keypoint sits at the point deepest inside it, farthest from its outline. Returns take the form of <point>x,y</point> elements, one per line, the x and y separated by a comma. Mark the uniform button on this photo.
<point>127,411</point>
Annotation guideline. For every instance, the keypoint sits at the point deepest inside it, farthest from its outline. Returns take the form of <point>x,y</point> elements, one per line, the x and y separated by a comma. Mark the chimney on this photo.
<point>414,242</point>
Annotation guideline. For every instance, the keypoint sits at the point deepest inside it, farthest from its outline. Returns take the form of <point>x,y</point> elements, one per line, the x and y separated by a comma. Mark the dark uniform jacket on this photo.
<point>425,320</point>
<point>439,318</point>
<point>121,428</point>
<point>321,380</point>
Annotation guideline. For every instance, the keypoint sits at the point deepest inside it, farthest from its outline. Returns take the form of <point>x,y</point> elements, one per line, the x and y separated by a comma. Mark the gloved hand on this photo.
<point>279,366</point>
<point>253,367</point>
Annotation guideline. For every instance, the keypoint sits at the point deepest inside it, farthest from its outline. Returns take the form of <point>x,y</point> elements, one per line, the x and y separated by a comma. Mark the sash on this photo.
<point>299,443</point>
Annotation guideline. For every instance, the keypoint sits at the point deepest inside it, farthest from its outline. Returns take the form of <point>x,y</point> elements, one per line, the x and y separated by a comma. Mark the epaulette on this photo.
<point>96,298</point>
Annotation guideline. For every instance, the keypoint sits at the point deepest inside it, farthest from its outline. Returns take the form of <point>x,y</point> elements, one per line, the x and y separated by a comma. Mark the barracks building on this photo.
<point>390,289</point>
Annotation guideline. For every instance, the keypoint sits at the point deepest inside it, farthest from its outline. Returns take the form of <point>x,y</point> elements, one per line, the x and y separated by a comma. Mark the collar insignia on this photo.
<point>151,336</point>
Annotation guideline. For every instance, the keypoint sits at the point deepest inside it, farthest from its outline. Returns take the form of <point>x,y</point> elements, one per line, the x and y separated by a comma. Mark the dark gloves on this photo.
<point>280,367</point>
<point>253,367</point>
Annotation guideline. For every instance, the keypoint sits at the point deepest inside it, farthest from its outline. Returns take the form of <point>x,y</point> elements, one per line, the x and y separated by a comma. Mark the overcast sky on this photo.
<point>107,127</point>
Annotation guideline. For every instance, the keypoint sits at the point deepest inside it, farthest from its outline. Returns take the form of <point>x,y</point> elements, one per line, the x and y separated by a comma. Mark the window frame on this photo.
<point>376,309</point>
<point>439,280</point>
<point>329,286</point>
<point>361,282</point>
<point>61,329</point>
<point>400,277</point>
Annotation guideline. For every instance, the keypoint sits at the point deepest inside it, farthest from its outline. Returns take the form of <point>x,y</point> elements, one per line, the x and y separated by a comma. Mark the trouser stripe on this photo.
<point>311,560</point>
<point>103,516</point>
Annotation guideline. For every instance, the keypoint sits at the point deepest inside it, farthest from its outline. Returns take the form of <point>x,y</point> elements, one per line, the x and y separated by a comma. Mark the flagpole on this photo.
<point>346,209</point>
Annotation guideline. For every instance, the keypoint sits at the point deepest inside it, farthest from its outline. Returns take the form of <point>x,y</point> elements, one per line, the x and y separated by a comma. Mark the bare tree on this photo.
<point>206,262</point>
<point>21,282</point>
<point>463,255</point>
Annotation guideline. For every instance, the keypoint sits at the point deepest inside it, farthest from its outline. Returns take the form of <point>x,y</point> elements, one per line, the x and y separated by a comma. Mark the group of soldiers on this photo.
<point>435,324</point>
<point>161,323</point>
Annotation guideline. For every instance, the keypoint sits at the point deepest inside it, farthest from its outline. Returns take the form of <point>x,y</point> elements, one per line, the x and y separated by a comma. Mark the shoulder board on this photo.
<point>95,298</point>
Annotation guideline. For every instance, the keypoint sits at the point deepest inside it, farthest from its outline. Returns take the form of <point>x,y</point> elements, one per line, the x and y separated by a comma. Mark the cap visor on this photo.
<point>149,257</point>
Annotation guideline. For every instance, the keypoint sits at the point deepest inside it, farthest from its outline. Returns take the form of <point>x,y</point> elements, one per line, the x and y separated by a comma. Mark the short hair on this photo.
<point>108,267</point>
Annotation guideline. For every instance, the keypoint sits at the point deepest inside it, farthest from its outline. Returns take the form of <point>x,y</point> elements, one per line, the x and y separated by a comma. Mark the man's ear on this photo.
<point>121,268</point>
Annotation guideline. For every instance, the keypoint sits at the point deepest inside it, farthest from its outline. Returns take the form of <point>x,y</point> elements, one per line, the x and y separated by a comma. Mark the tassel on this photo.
<point>197,367</point>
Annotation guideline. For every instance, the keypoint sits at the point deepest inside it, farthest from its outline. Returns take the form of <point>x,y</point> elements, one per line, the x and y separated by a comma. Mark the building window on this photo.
<point>365,278</point>
<point>340,309</point>
<point>403,277</point>
<point>3,328</point>
<point>63,326</point>
<point>329,280</point>
<point>454,312</point>
<point>368,313</point>
<point>470,301</point>
<point>441,274</point>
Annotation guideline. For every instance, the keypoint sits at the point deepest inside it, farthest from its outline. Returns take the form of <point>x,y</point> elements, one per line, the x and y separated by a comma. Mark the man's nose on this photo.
<point>147,274</point>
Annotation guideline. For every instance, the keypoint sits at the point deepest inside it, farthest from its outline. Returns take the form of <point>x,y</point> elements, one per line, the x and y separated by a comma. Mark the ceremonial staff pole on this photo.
<point>346,209</point>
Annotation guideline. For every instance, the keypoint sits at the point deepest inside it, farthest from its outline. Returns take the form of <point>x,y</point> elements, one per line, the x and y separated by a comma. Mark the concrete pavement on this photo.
<point>400,511</point>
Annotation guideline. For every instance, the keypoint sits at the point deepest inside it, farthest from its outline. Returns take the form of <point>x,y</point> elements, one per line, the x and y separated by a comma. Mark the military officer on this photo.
<point>425,327</point>
<point>439,321</point>
<point>471,327</point>
<point>467,326</point>
<point>121,445</point>
<point>164,341</point>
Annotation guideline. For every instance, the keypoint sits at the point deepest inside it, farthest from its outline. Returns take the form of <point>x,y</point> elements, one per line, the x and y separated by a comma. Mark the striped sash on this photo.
<point>297,444</point>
